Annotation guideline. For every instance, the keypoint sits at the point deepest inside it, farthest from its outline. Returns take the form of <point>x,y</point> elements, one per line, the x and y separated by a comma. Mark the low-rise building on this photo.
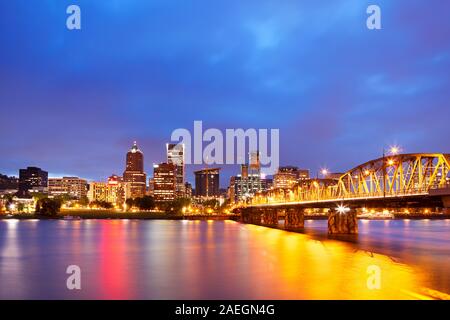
<point>114,191</point>
<point>72,186</point>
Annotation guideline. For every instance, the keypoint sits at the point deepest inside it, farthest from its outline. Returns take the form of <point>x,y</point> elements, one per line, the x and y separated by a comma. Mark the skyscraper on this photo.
<point>175,156</point>
<point>134,173</point>
<point>207,183</point>
<point>164,177</point>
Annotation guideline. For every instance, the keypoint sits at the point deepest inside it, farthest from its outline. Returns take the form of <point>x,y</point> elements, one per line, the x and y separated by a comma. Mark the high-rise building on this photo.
<point>134,173</point>
<point>244,186</point>
<point>207,183</point>
<point>32,179</point>
<point>151,187</point>
<point>72,186</point>
<point>114,191</point>
<point>175,156</point>
<point>165,184</point>
<point>188,190</point>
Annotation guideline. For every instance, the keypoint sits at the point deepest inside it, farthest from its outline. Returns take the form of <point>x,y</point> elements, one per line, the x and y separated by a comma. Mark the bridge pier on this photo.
<point>295,218</point>
<point>446,202</point>
<point>270,217</point>
<point>342,223</point>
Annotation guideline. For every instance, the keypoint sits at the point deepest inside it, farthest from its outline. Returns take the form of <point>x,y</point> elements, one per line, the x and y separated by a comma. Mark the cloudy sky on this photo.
<point>72,102</point>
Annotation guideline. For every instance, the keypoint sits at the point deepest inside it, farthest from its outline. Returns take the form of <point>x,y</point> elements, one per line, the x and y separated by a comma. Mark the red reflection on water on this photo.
<point>114,276</point>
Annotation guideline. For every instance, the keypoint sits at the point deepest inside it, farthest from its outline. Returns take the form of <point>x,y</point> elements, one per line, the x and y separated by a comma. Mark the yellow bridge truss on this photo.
<point>390,176</point>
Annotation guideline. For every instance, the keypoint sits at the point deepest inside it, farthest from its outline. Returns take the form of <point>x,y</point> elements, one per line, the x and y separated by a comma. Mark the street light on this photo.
<point>394,150</point>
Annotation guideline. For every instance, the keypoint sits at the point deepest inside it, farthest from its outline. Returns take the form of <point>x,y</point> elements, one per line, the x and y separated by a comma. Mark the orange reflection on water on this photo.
<point>298,267</point>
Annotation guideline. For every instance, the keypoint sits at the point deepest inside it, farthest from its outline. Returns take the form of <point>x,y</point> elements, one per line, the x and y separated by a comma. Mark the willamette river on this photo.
<point>132,259</point>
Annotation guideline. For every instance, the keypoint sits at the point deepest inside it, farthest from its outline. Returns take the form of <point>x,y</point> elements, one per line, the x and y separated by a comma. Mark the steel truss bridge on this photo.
<point>390,177</point>
<point>419,180</point>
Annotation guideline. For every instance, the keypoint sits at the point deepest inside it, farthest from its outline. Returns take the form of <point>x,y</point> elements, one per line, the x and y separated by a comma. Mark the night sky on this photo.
<point>72,102</point>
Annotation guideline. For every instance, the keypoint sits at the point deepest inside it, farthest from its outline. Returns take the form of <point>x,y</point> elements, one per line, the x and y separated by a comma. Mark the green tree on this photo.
<point>177,205</point>
<point>101,204</point>
<point>48,207</point>
<point>145,203</point>
<point>130,203</point>
<point>39,196</point>
<point>84,201</point>
<point>20,207</point>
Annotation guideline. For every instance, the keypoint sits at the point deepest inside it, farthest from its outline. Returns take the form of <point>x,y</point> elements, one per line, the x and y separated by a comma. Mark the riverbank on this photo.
<point>111,214</point>
<point>148,215</point>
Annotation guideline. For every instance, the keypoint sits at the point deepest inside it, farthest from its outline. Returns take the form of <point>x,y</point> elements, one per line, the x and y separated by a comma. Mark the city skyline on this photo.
<point>290,67</point>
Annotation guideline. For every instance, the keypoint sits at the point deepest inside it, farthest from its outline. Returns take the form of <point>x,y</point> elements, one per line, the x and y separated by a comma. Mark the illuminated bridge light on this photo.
<point>342,209</point>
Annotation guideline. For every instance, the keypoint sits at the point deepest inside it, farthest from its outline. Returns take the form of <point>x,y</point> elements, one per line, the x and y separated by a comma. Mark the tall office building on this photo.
<point>165,183</point>
<point>134,173</point>
<point>175,156</point>
<point>207,183</point>
<point>72,186</point>
<point>32,179</point>
<point>245,185</point>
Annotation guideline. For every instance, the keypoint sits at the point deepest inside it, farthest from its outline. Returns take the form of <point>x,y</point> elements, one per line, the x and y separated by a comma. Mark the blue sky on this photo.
<point>72,102</point>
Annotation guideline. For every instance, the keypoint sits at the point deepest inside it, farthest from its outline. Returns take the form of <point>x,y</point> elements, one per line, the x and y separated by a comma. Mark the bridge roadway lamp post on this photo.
<point>394,150</point>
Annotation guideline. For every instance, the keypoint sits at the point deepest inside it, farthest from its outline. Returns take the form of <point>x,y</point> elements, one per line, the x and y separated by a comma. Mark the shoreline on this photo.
<point>145,215</point>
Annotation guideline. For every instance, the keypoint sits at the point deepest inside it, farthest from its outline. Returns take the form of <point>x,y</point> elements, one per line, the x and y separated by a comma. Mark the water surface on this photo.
<point>132,259</point>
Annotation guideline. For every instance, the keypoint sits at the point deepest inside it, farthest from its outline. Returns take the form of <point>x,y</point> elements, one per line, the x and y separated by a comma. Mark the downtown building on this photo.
<point>289,176</point>
<point>175,156</point>
<point>32,180</point>
<point>134,174</point>
<point>164,182</point>
<point>249,182</point>
<point>207,183</point>
<point>114,191</point>
<point>245,186</point>
<point>71,186</point>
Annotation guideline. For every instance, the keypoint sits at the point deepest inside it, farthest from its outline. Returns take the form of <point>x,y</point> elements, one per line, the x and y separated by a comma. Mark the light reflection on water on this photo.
<point>129,259</point>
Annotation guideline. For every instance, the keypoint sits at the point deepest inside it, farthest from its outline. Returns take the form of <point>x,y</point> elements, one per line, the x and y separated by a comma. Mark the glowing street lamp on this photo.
<point>394,150</point>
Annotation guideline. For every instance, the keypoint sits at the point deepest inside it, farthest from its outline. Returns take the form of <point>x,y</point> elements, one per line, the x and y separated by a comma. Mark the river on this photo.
<point>154,259</point>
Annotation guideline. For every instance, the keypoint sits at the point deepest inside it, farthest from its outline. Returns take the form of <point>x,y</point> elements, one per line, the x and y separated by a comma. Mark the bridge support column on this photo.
<point>342,223</point>
<point>255,216</point>
<point>295,218</point>
<point>446,202</point>
<point>270,217</point>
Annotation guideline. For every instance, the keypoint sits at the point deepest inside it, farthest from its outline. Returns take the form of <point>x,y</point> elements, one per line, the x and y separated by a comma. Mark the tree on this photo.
<point>20,207</point>
<point>101,204</point>
<point>145,203</point>
<point>177,205</point>
<point>212,204</point>
<point>84,201</point>
<point>48,207</point>
<point>130,203</point>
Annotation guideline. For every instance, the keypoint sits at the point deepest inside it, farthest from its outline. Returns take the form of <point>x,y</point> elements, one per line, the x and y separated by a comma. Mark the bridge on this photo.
<point>403,181</point>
